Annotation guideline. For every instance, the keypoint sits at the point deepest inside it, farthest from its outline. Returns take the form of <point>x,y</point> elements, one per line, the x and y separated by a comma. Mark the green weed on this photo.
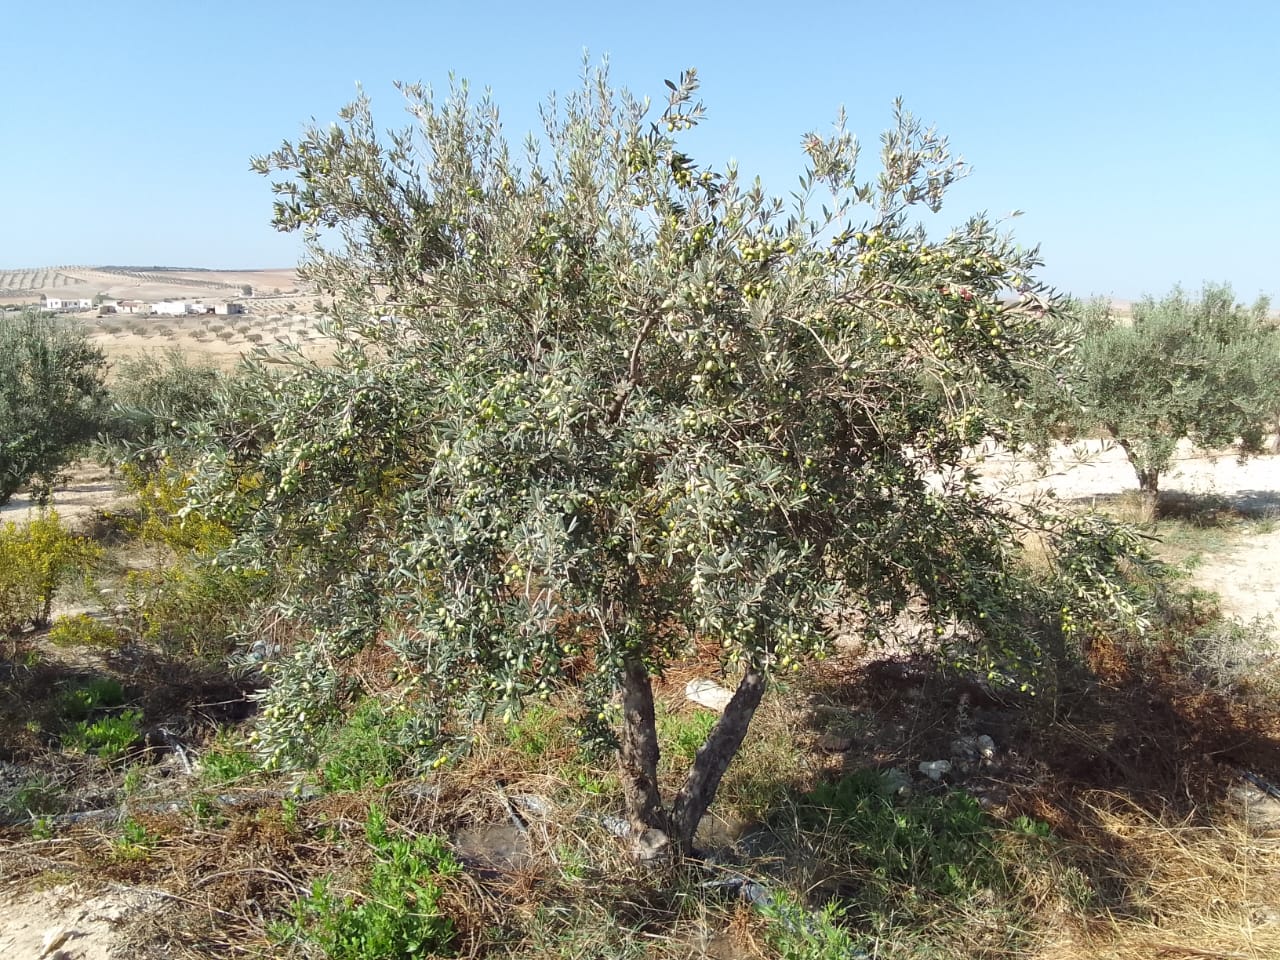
<point>928,875</point>
<point>395,914</point>
<point>226,762</point>
<point>37,796</point>
<point>368,749</point>
<point>132,781</point>
<point>134,843</point>
<point>109,737</point>
<point>797,934</point>
<point>205,810</point>
<point>89,696</point>
<point>941,845</point>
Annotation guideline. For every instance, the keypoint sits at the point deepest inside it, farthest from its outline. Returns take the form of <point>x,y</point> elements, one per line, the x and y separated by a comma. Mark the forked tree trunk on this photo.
<point>713,759</point>
<point>639,757</point>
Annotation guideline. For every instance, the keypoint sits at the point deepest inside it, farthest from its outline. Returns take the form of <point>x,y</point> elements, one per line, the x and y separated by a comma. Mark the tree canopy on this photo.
<point>595,399</point>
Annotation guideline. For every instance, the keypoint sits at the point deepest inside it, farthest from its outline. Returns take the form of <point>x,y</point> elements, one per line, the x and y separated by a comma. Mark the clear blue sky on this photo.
<point>1140,138</point>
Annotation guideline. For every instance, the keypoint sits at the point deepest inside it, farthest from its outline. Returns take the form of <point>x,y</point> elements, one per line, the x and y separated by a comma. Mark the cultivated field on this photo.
<point>25,285</point>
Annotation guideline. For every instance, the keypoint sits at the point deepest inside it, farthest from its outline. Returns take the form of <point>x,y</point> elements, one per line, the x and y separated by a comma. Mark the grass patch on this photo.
<point>83,630</point>
<point>680,734</point>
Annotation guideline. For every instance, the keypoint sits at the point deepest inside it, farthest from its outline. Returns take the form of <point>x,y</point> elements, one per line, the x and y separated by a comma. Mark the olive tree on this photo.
<point>51,395</point>
<point>1205,369</point>
<point>594,399</point>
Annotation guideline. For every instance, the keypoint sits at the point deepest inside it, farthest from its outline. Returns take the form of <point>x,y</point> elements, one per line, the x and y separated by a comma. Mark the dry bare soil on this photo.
<point>1243,570</point>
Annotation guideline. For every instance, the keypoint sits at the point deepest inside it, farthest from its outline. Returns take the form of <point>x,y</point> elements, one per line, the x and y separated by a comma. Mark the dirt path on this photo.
<point>61,923</point>
<point>1246,575</point>
<point>91,490</point>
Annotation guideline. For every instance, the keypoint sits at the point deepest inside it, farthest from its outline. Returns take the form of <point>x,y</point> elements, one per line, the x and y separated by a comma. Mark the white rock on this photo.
<point>652,845</point>
<point>935,769</point>
<point>709,694</point>
<point>54,937</point>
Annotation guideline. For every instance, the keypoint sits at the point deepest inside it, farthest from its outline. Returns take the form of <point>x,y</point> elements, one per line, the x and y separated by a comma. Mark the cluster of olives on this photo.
<point>759,251</point>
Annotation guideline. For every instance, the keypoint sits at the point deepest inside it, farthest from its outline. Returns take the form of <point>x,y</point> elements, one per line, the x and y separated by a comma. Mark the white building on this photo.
<point>62,305</point>
<point>228,308</point>
<point>176,308</point>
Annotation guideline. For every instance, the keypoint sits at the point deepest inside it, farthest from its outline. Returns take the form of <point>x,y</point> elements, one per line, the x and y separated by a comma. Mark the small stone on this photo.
<point>896,782</point>
<point>1261,811</point>
<point>54,938</point>
<point>834,743</point>
<point>533,803</point>
<point>986,747</point>
<point>935,769</point>
<point>615,825</point>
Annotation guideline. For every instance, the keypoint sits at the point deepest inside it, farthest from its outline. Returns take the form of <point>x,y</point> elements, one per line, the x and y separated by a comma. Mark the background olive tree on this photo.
<point>51,397</point>
<point>595,399</point>
<point>153,400</point>
<point>1205,369</point>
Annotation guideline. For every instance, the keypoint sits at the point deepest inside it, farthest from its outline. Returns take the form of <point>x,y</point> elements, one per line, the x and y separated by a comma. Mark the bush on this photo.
<point>36,559</point>
<point>51,394</point>
<point>190,605</point>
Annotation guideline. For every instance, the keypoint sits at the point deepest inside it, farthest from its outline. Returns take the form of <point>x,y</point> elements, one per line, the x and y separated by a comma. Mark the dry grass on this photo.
<point>1196,889</point>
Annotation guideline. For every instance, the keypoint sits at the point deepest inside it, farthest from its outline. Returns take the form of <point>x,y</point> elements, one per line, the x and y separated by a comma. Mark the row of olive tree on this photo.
<point>596,399</point>
<point>1204,369</point>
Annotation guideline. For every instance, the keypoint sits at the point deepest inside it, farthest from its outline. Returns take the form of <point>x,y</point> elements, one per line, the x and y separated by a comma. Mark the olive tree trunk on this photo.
<point>640,753</point>
<point>1148,477</point>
